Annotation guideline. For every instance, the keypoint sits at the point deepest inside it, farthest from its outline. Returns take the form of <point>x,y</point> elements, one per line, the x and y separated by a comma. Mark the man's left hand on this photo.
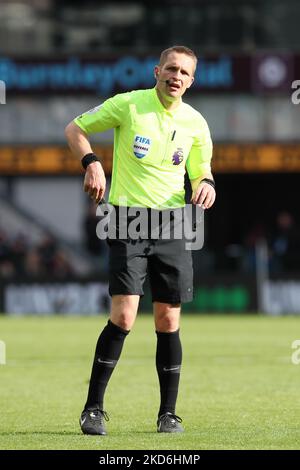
<point>204,195</point>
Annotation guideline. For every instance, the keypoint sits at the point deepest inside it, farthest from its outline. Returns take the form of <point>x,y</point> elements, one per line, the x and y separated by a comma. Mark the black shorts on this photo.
<point>166,261</point>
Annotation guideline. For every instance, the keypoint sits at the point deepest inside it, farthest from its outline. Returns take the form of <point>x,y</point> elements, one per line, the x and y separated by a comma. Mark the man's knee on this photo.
<point>124,310</point>
<point>167,317</point>
<point>123,320</point>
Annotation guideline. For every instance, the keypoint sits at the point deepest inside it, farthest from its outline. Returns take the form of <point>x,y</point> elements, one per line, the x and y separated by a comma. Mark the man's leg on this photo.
<point>108,350</point>
<point>168,363</point>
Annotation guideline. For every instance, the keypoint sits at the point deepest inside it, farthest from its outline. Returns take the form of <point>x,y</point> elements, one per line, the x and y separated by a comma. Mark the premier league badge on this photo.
<point>177,157</point>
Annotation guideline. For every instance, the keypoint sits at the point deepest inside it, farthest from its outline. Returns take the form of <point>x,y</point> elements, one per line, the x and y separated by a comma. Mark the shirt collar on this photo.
<point>161,107</point>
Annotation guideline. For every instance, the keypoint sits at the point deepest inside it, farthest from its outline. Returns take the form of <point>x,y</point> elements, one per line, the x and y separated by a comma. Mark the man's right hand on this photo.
<point>94,181</point>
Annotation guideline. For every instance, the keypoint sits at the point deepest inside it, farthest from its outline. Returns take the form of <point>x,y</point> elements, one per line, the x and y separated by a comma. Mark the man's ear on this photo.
<point>192,81</point>
<point>156,71</point>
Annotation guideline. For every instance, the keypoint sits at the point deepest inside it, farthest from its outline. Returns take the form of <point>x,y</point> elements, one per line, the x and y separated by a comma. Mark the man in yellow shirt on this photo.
<point>157,138</point>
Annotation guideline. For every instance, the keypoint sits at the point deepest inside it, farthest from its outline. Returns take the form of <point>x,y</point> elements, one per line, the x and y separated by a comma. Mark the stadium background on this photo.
<point>240,384</point>
<point>61,58</point>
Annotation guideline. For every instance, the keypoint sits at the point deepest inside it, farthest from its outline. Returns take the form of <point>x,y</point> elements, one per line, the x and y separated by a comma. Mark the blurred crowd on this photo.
<point>281,240</point>
<point>20,257</point>
<point>97,248</point>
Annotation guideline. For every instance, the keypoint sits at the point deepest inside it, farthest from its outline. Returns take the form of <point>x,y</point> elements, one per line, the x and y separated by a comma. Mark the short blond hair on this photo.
<point>181,50</point>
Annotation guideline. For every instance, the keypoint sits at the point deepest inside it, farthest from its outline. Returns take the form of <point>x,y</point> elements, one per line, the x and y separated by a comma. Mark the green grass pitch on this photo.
<point>239,388</point>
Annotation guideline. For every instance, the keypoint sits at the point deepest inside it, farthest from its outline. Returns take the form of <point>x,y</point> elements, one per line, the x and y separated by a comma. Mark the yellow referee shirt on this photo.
<point>153,147</point>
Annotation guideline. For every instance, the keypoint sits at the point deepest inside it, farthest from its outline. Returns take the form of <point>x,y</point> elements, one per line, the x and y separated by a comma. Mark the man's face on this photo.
<point>178,70</point>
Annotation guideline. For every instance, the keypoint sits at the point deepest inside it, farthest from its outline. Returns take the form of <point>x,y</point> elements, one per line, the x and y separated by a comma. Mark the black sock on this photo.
<point>168,364</point>
<point>108,351</point>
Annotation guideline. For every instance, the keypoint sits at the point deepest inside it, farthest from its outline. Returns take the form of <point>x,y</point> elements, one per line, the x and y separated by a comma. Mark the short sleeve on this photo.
<point>107,115</point>
<point>199,159</point>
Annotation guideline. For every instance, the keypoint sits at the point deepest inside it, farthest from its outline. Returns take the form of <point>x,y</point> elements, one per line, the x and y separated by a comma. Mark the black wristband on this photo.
<point>209,181</point>
<point>89,158</point>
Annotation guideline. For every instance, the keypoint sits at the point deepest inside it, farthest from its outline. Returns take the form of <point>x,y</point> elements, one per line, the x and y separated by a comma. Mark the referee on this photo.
<point>157,138</point>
